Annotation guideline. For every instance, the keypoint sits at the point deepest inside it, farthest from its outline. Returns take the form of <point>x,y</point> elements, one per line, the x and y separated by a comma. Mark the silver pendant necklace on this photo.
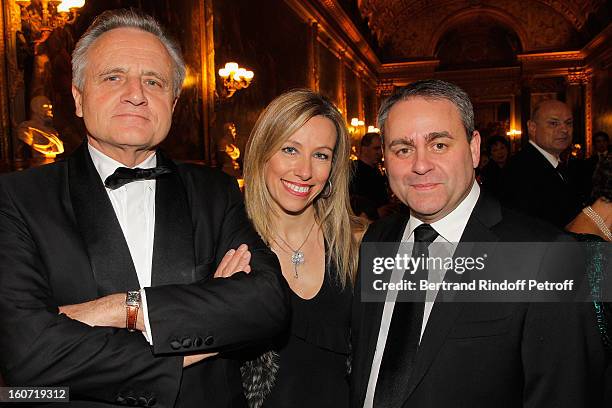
<point>297,256</point>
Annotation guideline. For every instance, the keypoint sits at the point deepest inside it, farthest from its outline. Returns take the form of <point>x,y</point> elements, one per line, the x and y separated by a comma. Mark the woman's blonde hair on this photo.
<point>281,119</point>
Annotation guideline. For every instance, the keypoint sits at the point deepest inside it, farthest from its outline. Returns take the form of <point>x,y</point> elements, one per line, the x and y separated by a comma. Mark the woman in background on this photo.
<point>492,174</point>
<point>296,173</point>
<point>592,226</point>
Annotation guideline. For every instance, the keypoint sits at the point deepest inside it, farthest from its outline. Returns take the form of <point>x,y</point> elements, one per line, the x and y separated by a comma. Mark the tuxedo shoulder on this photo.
<point>41,178</point>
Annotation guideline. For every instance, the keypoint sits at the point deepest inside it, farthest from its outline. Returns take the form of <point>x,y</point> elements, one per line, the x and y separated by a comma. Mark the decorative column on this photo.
<point>4,97</point>
<point>588,114</point>
<point>360,109</point>
<point>341,88</point>
<point>579,96</point>
<point>12,92</point>
<point>313,56</point>
<point>384,89</point>
<point>208,76</point>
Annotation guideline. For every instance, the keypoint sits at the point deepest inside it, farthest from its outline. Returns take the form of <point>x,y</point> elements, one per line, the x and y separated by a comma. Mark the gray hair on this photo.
<point>126,18</point>
<point>431,89</point>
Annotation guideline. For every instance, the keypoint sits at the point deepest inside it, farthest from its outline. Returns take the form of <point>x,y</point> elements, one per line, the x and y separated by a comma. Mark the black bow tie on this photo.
<point>124,175</point>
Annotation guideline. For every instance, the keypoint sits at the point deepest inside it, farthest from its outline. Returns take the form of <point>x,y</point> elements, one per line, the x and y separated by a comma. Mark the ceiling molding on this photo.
<point>507,20</point>
<point>403,71</point>
<point>551,56</point>
<point>411,29</point>
<point>599,50</point>
<point>339,34</point>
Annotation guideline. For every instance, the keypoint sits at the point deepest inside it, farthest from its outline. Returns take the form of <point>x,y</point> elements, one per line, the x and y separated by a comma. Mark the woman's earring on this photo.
<point>327,191</point>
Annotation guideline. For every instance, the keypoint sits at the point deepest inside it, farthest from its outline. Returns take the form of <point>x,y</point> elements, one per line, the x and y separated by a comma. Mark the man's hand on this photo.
<point>234,261</point>
<point>106,311</point>
<point>98,313</point>
<point>109,310</point>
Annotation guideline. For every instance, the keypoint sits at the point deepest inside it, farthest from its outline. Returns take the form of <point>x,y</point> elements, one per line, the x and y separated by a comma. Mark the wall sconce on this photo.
<point>234,78</point>
<point>372,129</point>
<point>355,126</point>
<point>356,122</point>
<point>514,134</point>
<point>53,13</point>
<point>515,138</point>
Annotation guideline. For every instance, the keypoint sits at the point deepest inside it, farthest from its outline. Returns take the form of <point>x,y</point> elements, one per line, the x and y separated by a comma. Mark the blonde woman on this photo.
<point>296,174</point>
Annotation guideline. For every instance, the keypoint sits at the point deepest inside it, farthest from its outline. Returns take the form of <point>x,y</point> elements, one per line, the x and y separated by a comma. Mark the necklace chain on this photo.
<point>596,218</point>
<point>297,256</point>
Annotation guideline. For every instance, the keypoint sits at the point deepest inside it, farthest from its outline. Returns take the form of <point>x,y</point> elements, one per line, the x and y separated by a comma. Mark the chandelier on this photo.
<point>47,15</point>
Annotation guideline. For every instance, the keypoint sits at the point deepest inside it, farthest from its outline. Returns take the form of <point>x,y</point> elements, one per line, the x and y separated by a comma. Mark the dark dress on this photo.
<point>598,262</point>
<point>492,178</point>
<point>313,356</point>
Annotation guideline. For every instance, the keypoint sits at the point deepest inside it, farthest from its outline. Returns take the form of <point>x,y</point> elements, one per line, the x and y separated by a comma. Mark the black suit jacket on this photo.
<point>490,354</point>
<point>533,186</point>
<point>369,183</point>
<point>61,243</point>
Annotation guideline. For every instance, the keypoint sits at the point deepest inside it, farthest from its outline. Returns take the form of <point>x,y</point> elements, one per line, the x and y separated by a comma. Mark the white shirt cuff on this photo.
<point>145,315</point>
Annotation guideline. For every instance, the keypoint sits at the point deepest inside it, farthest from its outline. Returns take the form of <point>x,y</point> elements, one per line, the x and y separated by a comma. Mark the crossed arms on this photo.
<point>40,346</point>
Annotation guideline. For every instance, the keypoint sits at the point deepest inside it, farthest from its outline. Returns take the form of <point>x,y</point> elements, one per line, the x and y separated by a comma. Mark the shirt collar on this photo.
<point>107,166</point>
<point>451,227</point>
<point>551,158</point>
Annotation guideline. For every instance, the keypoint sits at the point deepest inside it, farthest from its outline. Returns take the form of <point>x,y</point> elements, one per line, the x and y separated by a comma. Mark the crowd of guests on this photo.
<point>163,287</point>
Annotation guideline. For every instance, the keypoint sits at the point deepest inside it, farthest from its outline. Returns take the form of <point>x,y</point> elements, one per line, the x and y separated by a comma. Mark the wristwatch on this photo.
<point>132,304</point>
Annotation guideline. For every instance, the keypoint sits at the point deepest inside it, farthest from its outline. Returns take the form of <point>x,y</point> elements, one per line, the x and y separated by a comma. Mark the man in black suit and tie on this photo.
<point>536,181</point>
<point>120,241</point>
<point>433,354</point>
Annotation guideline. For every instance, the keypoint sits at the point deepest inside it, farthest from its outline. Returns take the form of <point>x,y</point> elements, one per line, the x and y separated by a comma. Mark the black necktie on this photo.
<point>562,170</point>
<point>124,175</point>
<point>404,334</point>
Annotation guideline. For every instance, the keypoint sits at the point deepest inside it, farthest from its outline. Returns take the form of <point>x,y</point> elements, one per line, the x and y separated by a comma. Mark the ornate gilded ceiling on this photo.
<point>410,29</point>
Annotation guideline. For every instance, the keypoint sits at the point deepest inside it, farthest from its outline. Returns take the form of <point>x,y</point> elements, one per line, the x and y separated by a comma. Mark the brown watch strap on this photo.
<point>132,304</point>
<point>131,317</point>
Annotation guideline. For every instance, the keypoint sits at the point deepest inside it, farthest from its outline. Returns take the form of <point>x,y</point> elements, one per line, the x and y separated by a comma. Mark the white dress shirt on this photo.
<point>134,205</point>
<point>449,229</point>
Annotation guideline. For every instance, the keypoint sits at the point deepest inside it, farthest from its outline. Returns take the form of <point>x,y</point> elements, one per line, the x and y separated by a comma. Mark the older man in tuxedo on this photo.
<point>537,182</point>
<point>432,354</point>
<point>120,241</point>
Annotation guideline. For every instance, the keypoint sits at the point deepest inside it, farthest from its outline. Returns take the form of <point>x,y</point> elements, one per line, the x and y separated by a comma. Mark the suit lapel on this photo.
<point>109,254</point>
<point>173,254</point>
<point>487,213</point>
<point>547,171</point>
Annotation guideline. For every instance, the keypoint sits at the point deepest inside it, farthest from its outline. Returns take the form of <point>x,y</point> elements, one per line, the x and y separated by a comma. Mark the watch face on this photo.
<point>132,298</point>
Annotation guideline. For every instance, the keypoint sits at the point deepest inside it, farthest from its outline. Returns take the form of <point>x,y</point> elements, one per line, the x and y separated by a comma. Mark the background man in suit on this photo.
<point>601,147</point>
<point>537,183</point>
<point>369,185</point>
<point>69,244</point>
<point>437,354</point>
